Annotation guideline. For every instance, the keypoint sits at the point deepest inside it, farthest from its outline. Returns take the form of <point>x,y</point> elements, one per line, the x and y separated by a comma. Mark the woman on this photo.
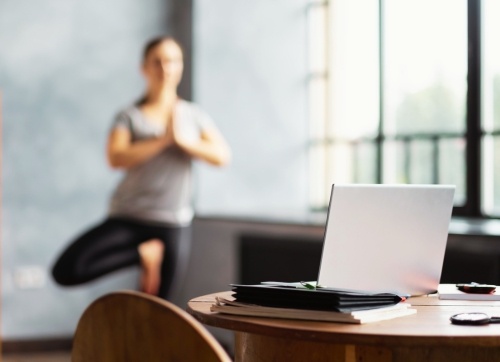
<point>150,212</point>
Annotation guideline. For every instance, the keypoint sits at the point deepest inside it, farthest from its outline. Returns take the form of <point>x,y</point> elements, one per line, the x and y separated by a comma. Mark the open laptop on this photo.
<point>386,238</point>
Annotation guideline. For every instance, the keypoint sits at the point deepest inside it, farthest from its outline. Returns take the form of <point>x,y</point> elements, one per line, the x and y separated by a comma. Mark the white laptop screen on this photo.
<point>389,238</point>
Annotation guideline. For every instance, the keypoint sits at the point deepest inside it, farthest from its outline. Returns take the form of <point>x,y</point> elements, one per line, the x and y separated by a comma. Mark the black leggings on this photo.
<point>113,244</point>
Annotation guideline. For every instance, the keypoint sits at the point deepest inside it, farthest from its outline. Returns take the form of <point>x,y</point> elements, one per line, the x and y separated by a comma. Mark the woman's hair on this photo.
<point>151,44</point>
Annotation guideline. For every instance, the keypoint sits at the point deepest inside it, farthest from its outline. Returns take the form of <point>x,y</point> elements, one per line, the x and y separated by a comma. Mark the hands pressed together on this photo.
<point>123,153</point>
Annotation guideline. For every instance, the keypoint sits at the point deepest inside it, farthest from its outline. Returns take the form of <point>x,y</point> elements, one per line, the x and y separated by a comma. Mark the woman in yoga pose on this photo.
<point>154,141</point>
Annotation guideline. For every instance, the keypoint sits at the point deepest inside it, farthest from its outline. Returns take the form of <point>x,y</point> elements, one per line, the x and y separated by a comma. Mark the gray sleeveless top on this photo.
<point>159,190</point>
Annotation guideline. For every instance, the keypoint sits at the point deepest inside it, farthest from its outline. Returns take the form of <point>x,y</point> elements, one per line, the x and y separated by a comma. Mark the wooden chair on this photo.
<point>133,326</point>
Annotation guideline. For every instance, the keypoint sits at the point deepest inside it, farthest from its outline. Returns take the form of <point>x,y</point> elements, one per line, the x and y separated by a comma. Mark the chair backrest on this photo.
<point>133,326</point>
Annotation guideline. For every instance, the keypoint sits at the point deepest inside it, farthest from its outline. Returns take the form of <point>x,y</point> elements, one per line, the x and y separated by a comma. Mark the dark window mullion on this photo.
<point>473,122</point>
<point>435,159</point>
<point>380,138</point>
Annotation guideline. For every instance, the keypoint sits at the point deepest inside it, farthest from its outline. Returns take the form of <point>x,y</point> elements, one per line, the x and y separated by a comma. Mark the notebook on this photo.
<point>386,238</point>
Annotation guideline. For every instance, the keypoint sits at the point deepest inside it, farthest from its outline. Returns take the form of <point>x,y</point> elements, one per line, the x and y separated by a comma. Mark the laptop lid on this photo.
<point>389,238</point>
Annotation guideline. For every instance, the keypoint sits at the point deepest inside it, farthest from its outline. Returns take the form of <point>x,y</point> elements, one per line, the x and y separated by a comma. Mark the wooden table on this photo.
<point>426,336</point>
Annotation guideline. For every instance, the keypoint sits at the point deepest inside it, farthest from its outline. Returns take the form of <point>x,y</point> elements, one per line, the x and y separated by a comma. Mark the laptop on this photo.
<point>386,238</point>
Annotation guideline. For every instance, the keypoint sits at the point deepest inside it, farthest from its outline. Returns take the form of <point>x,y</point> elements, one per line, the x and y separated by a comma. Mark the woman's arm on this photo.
<point>122,153</point>
<point>211,147</point>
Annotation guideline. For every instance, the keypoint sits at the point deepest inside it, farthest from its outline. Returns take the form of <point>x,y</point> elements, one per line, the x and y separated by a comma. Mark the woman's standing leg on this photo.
<point>175,259</point>
<point>151,254</point>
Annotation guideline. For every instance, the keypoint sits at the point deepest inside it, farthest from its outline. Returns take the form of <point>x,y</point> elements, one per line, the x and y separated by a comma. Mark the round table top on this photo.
<point>429,326</point>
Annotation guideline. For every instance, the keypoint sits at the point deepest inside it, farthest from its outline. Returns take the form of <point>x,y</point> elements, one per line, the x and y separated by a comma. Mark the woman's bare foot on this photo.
<point>151,253</point>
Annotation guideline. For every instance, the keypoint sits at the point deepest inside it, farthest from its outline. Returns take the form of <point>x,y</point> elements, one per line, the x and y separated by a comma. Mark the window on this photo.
<point>407,92</point>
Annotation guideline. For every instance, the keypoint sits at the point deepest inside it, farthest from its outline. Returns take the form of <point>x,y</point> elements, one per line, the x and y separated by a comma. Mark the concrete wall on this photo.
<point>250,73</point>
<point>66,67</point>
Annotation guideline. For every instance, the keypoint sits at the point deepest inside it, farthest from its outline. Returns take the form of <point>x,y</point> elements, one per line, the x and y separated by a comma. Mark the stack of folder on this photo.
<point>295,301</point>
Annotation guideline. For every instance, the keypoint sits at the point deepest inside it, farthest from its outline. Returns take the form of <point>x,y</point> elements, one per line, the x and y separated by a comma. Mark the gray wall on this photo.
<point>65,69</point>
<point>67,66</point>
<point>250,74</point>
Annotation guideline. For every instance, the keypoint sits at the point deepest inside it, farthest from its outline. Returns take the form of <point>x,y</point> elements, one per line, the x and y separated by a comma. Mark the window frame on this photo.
<point>473,136</point>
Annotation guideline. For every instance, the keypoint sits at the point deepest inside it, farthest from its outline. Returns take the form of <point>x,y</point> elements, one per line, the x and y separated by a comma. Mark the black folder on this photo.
<point>328,299</point>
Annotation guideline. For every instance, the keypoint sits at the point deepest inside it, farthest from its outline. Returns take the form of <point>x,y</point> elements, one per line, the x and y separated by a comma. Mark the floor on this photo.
<point>37,357</point>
